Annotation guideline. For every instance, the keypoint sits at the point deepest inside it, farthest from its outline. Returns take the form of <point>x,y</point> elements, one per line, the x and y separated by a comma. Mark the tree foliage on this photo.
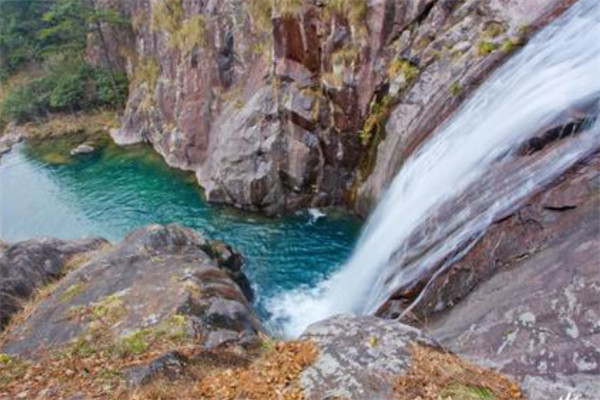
<point>73,87</point>
<point>52,34</point>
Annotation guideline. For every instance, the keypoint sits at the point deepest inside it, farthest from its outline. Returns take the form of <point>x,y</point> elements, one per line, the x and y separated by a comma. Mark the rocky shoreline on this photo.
<point>161,302</point>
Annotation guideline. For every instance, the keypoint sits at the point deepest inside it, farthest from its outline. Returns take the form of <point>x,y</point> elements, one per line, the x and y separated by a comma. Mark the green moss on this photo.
<point>83,346</point>
<point>455,89</point>
<point>354,11</point>
<point>72,291</point>
<point>373,341</point>
<point>172,330</point>
<point>508,45</point>
<point>377,116</point>
<point>167,15</point>
<point>5,358</point>
<point>191,34</point>
<point>184,34</point>
<point>134,343</point>
<point>494,29</point>
<point>484,48</point>
<point>109,309</point>
<point>399,65</point>
<point>147,73</point>
<point>458,391</point>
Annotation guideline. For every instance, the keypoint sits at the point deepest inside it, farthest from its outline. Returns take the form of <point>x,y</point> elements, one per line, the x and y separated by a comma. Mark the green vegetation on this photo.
<point>484,48</point>
<point>45,42</point>
<point>345,56</point>
<point>167,15</point>
<point>378,113</point>
<point>354,11</point>
<point>72,291</point>
<point>184,34</point>
<point>261,12</point>
<point>399,65</point>
<point>69,87</point>
<point>468,392</point>
<point>508,45</point>
<point>494,29</point>
<point>455,89</point>
<point>5,358</point>
<point>147,72</point>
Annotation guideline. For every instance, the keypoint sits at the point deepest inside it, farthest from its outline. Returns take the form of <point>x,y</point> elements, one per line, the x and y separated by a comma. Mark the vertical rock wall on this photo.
<point>311,103</point>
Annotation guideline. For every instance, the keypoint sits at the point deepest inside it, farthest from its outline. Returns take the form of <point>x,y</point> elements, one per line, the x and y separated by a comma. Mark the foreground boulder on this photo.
<point>354,358</point>
<point>31,264</point>
<point>158,278</point>
<point>359,357</point>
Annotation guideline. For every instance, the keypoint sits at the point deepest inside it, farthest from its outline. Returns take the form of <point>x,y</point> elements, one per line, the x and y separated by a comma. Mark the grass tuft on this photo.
<point>455,89</point>
<point>484,48</point>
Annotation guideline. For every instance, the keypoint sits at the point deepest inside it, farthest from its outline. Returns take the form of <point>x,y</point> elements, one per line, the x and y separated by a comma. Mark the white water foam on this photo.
<point>557,70</point>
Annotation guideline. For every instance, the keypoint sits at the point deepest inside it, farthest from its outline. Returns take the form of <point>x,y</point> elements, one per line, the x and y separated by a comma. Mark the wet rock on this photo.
<point>358,357</point>
<point>156,275</point>
<point>440,45</point>
<point>524,298</point>
<point>82,149</point>
<point>29,265</point>
<point>11,137</point>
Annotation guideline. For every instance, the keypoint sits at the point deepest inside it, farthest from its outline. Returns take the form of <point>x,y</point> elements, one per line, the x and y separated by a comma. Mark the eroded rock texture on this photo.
<point>359,357</point>
<point>282,110</point>
<point>157,274</point>
<point>526,297</point>
<point>29,265</point>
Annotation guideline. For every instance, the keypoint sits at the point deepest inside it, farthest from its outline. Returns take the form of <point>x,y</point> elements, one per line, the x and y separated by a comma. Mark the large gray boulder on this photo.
<point>359,357</point>
<point>158,274</point>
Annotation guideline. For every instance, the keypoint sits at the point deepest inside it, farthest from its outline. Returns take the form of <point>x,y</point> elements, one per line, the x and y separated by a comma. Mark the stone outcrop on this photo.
<point>158,276</point>
<point>456,47</point>
<point>523,297</point>
<point>359,357</point>
<point>527,294</point>
<point>32,264</point>
<point>278,109</point>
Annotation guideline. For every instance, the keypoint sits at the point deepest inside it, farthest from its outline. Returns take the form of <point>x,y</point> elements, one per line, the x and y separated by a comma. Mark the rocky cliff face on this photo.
<point>278,108</point>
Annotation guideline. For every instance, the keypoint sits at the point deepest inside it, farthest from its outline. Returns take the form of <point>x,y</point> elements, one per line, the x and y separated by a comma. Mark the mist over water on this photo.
<point>468,172</point>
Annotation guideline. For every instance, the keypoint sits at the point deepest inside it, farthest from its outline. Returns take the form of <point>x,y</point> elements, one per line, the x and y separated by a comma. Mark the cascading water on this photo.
<point>468,173</point>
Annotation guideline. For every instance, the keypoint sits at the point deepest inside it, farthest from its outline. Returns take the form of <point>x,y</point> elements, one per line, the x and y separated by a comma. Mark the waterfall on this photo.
<point>468,173</point>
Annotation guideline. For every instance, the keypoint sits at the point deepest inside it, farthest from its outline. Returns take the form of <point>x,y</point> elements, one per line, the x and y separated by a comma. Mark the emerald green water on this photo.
<point>44,191</point>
